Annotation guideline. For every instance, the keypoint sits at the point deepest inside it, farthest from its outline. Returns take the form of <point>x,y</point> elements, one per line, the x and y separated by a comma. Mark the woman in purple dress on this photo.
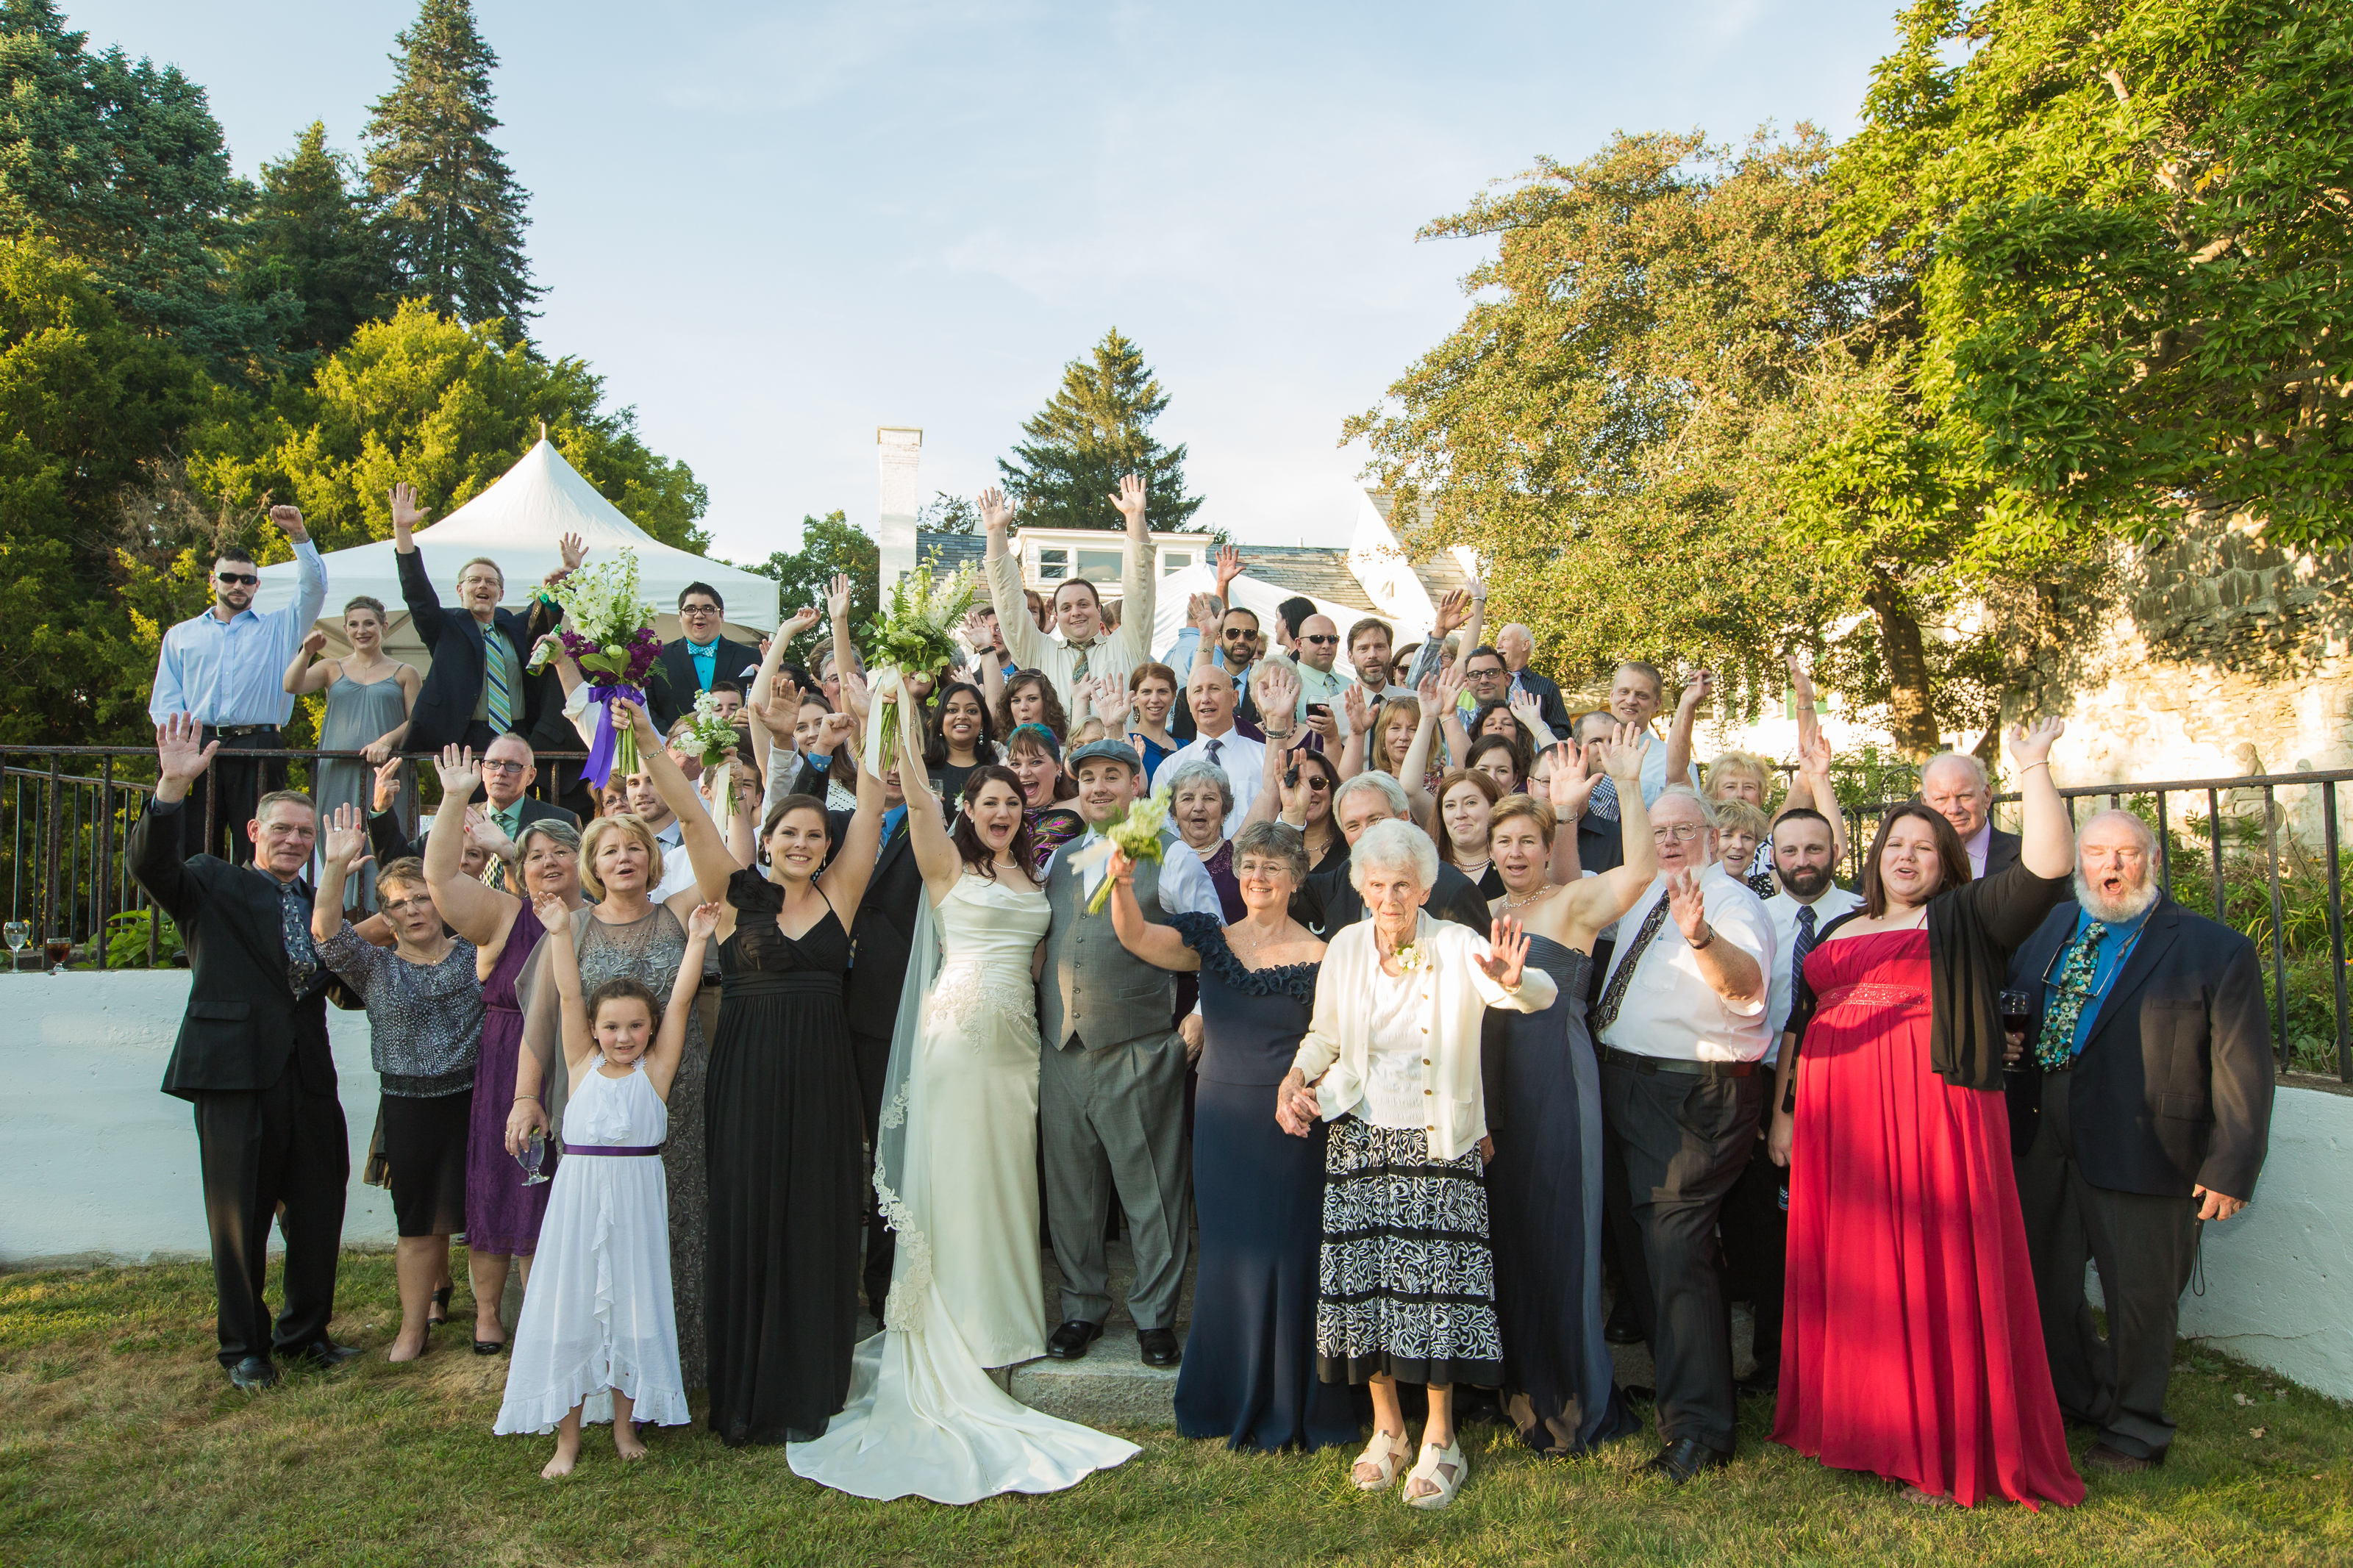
<point>502,1214</point>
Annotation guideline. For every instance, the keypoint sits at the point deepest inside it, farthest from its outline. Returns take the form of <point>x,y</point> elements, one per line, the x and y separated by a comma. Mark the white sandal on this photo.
<point>1386,1452</point>
<point>1435,1461</point>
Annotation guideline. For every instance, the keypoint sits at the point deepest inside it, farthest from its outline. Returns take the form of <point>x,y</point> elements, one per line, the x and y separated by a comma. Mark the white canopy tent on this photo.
<point>517,523</point>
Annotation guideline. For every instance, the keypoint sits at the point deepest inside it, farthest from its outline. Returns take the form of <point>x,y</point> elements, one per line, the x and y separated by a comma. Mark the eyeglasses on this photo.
<point>422,901</point>
<point>1680,833</point>
<point>698,611</point>
<point>244,579</point>
<point>1333,638</point>
<point>503,767</point>
<point>1487,674</point>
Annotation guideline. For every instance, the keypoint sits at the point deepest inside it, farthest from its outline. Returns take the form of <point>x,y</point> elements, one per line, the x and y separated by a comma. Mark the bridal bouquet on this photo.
<point>711,733</point>
<point>912,635</point>
<point>1135,833</point>
<point>609,632</point>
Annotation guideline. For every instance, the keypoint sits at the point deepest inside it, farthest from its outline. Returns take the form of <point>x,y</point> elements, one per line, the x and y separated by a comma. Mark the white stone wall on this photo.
<point>99,1164</point>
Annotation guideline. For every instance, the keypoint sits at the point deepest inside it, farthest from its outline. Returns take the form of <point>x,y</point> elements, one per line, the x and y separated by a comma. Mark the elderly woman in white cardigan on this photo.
<point>1406,1289</point>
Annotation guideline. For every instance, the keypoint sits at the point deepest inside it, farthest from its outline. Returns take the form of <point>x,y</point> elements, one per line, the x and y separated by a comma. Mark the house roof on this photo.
<point>946,552</point>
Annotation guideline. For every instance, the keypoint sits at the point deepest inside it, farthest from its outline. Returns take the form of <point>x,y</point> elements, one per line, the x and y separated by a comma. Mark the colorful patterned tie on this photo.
<point>1603,802</point>
<point>1614,995</point>
<point>2056,1046</point>
<point>1803,945</point>
<point>501,703</point>
<point>1078,664</point>
<point>294,930</point>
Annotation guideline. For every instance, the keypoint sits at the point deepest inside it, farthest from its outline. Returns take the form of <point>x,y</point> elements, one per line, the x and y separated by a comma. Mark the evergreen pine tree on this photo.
<point>1097,428</point>
<point>451,215</point>
<point>310,239</point>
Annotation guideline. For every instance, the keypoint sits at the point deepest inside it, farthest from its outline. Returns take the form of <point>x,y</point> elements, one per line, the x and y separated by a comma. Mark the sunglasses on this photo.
<point>243,579</point>
<point>1333,637</point>
<point>1238,634</point>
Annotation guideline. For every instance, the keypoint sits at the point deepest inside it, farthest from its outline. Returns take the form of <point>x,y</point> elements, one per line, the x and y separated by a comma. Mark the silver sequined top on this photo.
<point>425,1020</point>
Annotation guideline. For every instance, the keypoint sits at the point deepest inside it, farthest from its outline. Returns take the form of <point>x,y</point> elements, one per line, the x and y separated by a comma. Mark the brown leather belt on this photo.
<point>1641,1063</point>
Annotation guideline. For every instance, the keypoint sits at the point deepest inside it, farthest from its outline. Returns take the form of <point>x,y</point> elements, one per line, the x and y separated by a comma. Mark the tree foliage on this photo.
<point>945,513</point>
<point>309,240</point>
<point>829,545</point>
<point>452,213</point>
<point>1097,428</point>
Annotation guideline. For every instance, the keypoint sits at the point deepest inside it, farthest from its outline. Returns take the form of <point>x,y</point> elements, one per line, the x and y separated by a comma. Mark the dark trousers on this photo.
<point>871,1054</point>
<point>2144,1247</point>
<point>233,785</point>
<point>1755,1235</point>
<point>257,1149</point>
<point>1677,1142</point>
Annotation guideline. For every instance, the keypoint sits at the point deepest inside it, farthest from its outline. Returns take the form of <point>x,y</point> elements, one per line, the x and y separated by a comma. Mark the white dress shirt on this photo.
<point>1654,772</point>
<point>1669,1008</point>
<point>1116,653</point>
<point>232,673</point>
<point>678,867</point>
<point>1185,885</point>
<point>1782,908</point>
<point>1242,760</point>
<point>1975,847</point>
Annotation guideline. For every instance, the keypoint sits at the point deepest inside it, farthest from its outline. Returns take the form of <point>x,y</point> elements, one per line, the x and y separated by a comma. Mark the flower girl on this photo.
<point>596,1341</point>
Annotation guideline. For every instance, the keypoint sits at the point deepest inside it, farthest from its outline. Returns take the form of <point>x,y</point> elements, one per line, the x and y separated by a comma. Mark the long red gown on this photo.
<point>1912,1347</point>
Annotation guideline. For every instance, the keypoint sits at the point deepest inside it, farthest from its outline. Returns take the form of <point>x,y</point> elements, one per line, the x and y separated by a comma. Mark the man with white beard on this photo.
<point>2141,1098</point>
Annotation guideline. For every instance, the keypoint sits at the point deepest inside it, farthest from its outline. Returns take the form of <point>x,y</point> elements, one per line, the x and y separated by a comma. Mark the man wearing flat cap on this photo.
<point>1111,1078</point>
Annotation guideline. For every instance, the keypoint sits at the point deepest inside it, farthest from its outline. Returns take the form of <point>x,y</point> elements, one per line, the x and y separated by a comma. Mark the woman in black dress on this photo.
<point>1249,1371</point>
<point>785,1132</point>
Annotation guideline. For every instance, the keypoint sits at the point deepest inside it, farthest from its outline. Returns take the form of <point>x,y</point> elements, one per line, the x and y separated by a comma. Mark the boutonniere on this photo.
<point>1410,957</point>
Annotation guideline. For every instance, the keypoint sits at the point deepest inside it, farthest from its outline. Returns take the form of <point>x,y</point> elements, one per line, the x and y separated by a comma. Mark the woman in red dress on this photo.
<point>1912,1347</point>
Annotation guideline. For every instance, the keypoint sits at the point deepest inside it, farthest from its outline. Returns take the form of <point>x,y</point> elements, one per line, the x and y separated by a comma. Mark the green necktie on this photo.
<point>2056,1046</point>
<point>1078,664</point>
<point>500,702</point>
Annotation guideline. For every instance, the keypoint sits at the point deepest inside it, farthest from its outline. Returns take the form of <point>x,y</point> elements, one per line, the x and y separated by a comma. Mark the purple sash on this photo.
<point>572,1149</point>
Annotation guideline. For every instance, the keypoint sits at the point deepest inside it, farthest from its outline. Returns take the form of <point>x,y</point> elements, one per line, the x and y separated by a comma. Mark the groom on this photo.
<point>1110,1081</point>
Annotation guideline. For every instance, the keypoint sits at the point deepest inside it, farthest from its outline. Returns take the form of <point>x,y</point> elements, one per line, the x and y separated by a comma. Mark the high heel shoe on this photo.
<point>440,1305</point>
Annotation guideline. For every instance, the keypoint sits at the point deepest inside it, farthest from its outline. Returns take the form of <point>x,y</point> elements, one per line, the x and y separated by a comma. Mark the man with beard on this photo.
<point>1756,1224</point>
<point>2141,1090</point>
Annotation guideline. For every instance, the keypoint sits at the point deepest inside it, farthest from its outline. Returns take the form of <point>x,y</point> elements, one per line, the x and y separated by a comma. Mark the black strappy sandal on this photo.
<point>440,1305</point>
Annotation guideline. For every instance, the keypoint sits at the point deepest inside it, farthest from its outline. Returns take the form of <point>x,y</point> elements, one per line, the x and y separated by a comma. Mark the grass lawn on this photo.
<point>129,1447</point>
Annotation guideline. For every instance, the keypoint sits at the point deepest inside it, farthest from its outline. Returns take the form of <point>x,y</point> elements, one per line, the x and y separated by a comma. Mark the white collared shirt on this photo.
<point>1976,845</point>
<point>678,867</point>
<point>231,673</point>
<point>1782,910</point>
<point>1113,653</point>
<point>1242,760</point>
<point>1669,1008</point>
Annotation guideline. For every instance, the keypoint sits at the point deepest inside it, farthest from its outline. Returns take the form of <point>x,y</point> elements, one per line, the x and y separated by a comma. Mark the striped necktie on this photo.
<point>1078,664</point>
<point>1803,945</point>
<point>500,703</point>
<point>1614,995</point>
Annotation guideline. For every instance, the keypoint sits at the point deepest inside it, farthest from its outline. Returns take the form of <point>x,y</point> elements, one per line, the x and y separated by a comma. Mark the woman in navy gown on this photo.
<point>1248,1373</point>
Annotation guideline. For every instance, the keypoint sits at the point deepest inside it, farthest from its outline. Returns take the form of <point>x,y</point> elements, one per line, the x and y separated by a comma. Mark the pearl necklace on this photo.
<point>1512,903</point>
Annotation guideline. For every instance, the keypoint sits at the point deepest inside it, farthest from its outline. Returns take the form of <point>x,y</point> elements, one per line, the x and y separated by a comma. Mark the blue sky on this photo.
<point>773,228</point>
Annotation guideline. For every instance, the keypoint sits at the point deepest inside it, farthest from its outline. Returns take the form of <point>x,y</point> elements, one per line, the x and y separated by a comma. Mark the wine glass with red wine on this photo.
<point>2017,1016</point>
<point>59,951</point>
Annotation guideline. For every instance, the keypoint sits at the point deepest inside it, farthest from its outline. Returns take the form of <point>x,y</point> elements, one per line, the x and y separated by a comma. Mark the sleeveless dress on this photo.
<point>1544,1198</point>
<point>502,1215</point>
<point>786,1136</point>
<point>357,716</point>
<point>597,1316</point>
<point>1913,1344</point>
<point>1249,1371</point>
<point>924,1419</point>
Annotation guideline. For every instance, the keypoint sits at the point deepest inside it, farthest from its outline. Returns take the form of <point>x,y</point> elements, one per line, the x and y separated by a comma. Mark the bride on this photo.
<point>956,1168</point>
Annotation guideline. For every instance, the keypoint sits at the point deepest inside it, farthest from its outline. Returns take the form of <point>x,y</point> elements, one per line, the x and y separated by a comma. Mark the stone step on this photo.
<point>1110,1386</point>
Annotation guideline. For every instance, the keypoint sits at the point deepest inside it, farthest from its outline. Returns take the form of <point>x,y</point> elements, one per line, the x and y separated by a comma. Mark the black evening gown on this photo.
<point>1249,1371</point>
<point>788,1188</point>
<point>1543,1203</point>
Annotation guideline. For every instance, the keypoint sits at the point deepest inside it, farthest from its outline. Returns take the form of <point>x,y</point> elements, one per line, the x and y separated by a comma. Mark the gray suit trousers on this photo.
<point>1112,1121</point>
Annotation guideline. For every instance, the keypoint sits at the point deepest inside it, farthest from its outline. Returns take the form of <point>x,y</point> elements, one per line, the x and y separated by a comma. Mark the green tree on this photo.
<point>451,211</point>
<point>829,545</point>
<point>1097,428</point>
<point>309,237</point>
<point>85,398</point>
<point>122,163</point>
<point>448,408</point>
<point>2129,224</point>
<point>945,513</point>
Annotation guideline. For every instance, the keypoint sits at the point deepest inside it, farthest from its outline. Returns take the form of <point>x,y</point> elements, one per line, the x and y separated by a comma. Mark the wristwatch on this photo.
<point>1708,931</point>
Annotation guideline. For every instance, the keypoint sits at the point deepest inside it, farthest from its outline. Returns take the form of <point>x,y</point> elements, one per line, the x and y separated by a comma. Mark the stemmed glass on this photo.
<point>19,934</point>
<point>534,1153</point>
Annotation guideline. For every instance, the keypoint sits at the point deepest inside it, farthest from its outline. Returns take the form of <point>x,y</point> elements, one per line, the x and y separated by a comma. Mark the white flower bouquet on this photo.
<point>1135,832</point>
<point>609,632</point>
<point>914,634</point>
<point>712,732</point>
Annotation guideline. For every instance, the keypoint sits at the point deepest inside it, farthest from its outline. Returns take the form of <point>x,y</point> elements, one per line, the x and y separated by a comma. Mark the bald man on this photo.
<point>1516,644</point>
<point>1210,698</point>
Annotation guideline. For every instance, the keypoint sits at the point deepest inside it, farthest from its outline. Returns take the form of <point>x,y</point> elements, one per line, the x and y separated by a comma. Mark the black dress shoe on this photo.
<point>1071,1340</point>
<point>1760,1381</point>
<point>326,1355</point>
<point>1624,1328</point>
<point>253,1374</point>
<point>1158,1346</point>
<point>1684,1457</point>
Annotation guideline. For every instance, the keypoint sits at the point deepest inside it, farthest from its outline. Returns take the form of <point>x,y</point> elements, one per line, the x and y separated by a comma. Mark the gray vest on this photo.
<point>1093,987</point>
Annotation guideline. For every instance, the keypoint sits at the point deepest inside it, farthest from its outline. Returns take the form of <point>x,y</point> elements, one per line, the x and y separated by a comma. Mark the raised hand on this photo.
<point>346,840</point>
<point>1229,566</point>
<point>629,715</point>
<point>1205,614</point>
<point>1130,499</point>
<point>1359,711</point>
<point>180,753</point>
<point>1698,687</point>
<point>287,520</point>
<point>834,732</point>
<point>1507,952</point>
<point>315,644</point>
<point>1623,758</point>
<point>388,781</point>
<point>1453,609</point>
<point>837,597</point>
<point>489,836</point>
<point>551,909</point>
<point>1277,692</point>
<point>1529,713</point>
<point>702,921</point>
<point>1687,906</point>
<point>854,695</point>
<point>994,515</point>
<point>1450,687</point>
<point>1570,787</point>
<point>405,515</point>
<point>802,619</point>
<point>1114,702</point>
<point>575,551</point>
<point>2031,743</point>
<point>460,776</point>
<point>1814,759</point>
<point>976,630</point>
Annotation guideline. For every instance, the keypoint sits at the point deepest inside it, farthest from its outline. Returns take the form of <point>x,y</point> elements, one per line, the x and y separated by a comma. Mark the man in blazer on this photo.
<point>2142,1090</point>
<point>1515,642</point>
<point>689,664</point>
<point>1955,786</point>
<point>477,689</point>
<point>508,769</point>
<point>253,1058</point>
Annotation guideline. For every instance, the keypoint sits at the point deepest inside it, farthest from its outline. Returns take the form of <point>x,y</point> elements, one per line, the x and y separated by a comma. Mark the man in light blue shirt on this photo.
<point>226,669</point>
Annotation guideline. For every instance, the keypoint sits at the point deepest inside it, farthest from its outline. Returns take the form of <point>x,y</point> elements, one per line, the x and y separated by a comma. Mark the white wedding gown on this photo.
<point>924,1419</point>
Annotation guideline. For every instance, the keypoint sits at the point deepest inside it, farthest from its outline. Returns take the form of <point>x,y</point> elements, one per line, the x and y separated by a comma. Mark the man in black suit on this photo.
<point>1953,784</point>
<point>1327,901</point>
<point>508,769</point>
<point>879,939</point>
<point>2144,1086</point>
<point>253,1058</point>
<point>477,689</point>
<point>690,664</point>
<point>1517,644</point>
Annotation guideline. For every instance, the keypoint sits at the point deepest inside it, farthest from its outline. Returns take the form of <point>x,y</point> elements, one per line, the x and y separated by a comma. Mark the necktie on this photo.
<point>2057,1045</point>
<point>1215,747</point>
<point>1603,802</point>
<point>1078,664</point>
<point>1803,946</point>
<point>294,928</point>
<point>500,701</point>
<point>1614,995</point>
